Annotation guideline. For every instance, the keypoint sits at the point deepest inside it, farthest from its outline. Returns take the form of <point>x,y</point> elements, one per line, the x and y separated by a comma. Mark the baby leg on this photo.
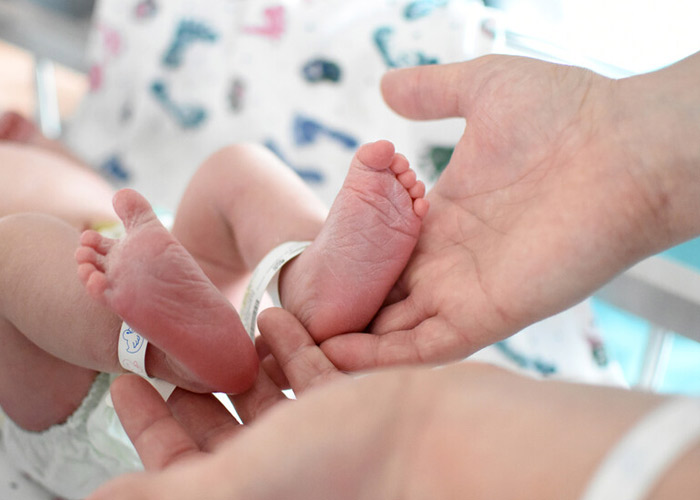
<point>47,360</point>
<point>54,336</point>
<point>155,285</point>
<point>242,202</point>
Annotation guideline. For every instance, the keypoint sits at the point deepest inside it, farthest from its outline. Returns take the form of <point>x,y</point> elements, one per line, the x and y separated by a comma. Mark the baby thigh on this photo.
<point>54,336</point>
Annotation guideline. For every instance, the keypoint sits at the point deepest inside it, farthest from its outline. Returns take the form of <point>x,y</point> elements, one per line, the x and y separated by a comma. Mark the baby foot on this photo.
<point>155,285</point>
<point>339,283</point>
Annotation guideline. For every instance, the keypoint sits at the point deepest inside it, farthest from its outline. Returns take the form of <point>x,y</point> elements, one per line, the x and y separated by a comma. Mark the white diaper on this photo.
<point>74,458</point>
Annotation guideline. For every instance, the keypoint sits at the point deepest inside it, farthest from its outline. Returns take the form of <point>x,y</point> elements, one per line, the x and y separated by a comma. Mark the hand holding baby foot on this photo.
<point>386,435</point>
<point>154,284</point>
<point>533,213</point>
<point>195,436</point>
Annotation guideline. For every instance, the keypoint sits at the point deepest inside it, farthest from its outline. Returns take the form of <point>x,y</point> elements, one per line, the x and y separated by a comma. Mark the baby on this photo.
<point>175,289</point>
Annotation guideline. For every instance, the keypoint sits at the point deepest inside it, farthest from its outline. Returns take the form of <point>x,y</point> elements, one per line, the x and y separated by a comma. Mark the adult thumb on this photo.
<point>434,91</point>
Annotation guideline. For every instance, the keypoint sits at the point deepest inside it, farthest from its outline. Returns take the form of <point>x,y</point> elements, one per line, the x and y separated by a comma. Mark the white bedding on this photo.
<point>172,83</point>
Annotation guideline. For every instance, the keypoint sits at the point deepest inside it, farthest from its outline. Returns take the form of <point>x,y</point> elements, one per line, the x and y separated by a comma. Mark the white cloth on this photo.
<point>172,82</point>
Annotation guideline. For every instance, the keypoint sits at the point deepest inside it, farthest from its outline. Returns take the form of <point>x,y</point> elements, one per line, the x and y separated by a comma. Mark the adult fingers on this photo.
<point>270,365</point>
<point>156,434</point>
<point>434,91</point>
<point>136,486</point>
<point>300,358</point>
<point>256,400</point>
<point>204,417</point>
<point>431,341</point>
<point>296,359</point>
<point>202,477</point>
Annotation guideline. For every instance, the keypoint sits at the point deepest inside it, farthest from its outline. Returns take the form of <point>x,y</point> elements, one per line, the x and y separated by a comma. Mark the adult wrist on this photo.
<point>657,121</point>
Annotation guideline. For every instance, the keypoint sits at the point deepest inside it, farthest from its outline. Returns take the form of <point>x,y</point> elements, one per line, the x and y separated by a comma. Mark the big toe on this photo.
<point>132,208</point>
<point>377,155</point>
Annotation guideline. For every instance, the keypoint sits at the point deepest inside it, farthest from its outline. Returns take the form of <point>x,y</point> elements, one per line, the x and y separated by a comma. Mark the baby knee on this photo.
<point>237,158</point>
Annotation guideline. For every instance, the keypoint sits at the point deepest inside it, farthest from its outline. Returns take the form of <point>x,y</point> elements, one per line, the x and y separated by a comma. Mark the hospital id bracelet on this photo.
<point>132,357</point>
<point>647,451</point>
<point>266,277</point>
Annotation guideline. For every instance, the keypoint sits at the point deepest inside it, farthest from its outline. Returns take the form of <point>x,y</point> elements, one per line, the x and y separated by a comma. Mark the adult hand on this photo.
<point>344,440</point>
<point>557,184</point>
<point>466,430</point>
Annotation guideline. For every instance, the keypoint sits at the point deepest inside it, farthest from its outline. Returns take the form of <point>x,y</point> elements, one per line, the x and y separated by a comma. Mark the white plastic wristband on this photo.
<point>647,451</point>
<point>132,357</point>
<point>265,277</point>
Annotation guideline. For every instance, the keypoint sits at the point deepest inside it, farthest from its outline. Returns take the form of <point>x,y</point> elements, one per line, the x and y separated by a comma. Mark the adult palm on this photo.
<point>542,202</point>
